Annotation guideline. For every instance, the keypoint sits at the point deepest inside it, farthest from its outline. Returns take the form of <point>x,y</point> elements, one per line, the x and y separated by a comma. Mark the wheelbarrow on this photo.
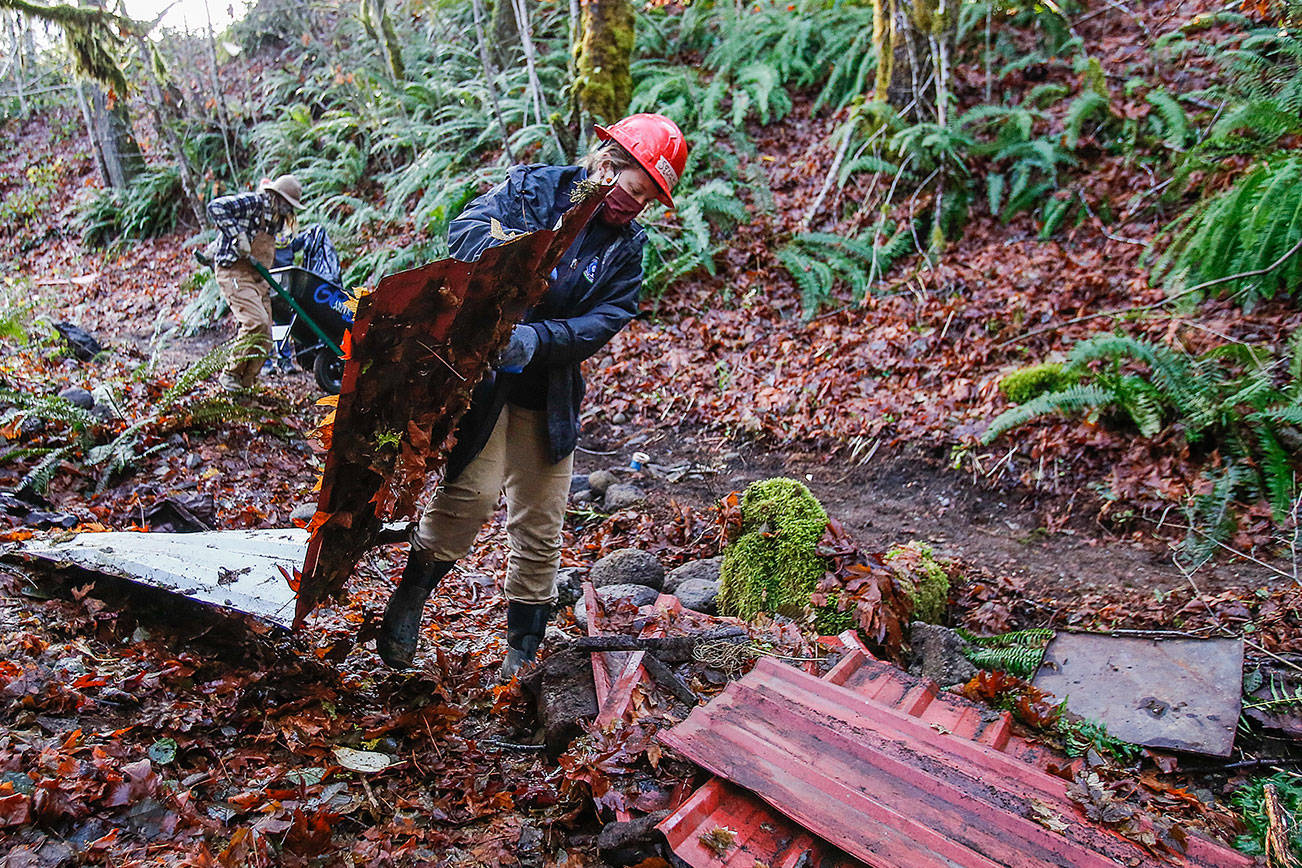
<point>309,317</point>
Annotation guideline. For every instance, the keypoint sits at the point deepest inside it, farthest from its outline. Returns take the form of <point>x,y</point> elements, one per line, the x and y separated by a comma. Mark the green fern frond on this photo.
<point>1246,228</point>
<point>1174,126</point>
<point>1073,399</point>
<point>37,480</point>
<point>1015,660</point>
<point>47,408</point>
<point>1086,106</point>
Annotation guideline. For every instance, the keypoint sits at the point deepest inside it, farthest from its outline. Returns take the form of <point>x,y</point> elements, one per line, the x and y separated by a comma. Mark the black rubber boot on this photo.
<point>401,628</point>
<point>525,625</point>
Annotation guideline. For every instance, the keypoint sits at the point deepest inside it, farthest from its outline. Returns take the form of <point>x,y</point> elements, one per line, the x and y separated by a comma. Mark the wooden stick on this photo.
<point>669,680</point>
<point>1277,830</point>
<point>676,649</point>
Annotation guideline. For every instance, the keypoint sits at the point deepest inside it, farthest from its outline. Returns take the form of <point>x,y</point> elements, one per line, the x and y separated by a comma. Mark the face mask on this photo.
<point>620,207</point>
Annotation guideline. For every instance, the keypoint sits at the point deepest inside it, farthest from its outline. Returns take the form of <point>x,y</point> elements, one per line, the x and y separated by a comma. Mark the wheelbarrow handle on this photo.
<point>274,284</point>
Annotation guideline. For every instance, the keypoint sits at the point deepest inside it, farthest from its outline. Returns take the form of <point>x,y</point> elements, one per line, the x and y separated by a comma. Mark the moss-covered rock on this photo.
<point>773,565</point>
<point>923,578</point>
<point>1032,382</point>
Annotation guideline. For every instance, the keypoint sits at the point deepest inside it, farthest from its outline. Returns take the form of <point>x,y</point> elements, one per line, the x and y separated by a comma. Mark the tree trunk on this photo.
<point>160,103</point>
<point>218,97</point>
<point>505,31</point>
<point>490,77</point>
<point>604,84</point>
<point>379,24</point>
<point>113,140</point>
<point>886,41</point>
<point>530,58</point>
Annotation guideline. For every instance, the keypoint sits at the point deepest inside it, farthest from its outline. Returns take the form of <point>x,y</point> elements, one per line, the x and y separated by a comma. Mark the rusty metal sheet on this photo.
<point>765,835</point>
<point>1171,693</point>
<point>762,836</point>
<point>242,570</point>
<point>882,785</point>
<point>418,346</point>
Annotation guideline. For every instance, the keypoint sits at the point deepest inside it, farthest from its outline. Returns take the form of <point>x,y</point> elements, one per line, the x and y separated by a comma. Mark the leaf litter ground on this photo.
<point>137,734</point>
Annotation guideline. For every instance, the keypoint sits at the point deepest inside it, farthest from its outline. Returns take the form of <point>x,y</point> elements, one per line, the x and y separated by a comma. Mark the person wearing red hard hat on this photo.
<point>522,427</point>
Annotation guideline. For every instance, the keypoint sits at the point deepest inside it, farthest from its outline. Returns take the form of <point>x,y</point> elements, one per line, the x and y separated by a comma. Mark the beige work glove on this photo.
<point>242,245</point>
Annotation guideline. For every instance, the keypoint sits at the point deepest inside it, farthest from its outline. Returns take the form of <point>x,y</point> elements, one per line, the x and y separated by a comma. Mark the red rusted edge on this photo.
<point>620,695</point>
<point>829,760</point>
<point>600,677</point>
<point>621,690</point>
<point>761,837</point>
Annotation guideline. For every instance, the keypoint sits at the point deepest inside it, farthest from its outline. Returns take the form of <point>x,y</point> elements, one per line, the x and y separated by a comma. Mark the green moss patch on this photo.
<point>773,566</point>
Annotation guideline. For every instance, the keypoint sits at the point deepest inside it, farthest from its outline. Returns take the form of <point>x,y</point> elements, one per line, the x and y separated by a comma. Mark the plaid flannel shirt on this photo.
<point>240,214</point>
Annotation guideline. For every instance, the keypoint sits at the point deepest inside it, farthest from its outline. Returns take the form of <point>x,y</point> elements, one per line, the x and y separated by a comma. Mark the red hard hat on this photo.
<point>658,146</point>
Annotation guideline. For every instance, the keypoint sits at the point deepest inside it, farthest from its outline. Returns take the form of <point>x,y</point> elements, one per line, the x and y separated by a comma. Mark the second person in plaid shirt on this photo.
<point>247,226</point>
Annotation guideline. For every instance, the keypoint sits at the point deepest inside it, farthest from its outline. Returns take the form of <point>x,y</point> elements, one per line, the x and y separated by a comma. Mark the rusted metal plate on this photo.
<point>420,343</point>
<point>1177,694</point>
<point>882,785</point>
<point>242,570</point>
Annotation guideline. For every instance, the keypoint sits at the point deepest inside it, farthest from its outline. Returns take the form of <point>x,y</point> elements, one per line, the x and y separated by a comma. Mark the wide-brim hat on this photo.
<point>287,187</point>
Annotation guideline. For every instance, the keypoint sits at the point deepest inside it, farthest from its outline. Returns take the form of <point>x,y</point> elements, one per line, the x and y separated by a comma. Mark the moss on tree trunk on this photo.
<point>604,85</point>
<point>505,30</point>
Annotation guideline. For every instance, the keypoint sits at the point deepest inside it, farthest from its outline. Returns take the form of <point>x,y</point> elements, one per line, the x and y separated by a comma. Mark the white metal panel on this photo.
<point>234,569</point>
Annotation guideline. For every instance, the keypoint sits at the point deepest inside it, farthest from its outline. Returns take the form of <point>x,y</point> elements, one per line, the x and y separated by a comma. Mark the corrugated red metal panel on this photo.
<point>889,788</point>
<point>762,838</point>
<point>921,697</point>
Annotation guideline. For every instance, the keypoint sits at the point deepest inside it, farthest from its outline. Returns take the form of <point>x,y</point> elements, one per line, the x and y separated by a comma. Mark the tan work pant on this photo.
<point>537,490</point>
<point>250,300</point>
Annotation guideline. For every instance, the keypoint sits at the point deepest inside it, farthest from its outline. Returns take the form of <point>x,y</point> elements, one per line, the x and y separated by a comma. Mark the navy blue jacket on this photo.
<point>582,310</point>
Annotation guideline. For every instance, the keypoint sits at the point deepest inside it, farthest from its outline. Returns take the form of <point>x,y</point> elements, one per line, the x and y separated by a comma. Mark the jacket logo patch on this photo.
<point>590,273</point>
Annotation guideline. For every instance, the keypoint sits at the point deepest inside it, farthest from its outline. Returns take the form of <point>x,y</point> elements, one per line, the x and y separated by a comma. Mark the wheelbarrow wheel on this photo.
<point>328,370</point>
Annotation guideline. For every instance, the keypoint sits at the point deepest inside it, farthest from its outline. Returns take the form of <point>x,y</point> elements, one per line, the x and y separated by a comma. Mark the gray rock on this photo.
<point>569,585</point>
<point>938,654</point>
<point>704,570</point>
<point>628,567</point>
<point>616,595</point>
<point>619,419</point>
<point>621,495</point>
<point>193,460</point>
<point>303,513</point>
<point>528,847</point>
<point>554,635</point>
<point>103,412</point>
<point>78,397</point>
<point>699,595</point>
<point>600,480</point>
<point>105,394</point>
<point>587,495</point>
<point>578,482</point>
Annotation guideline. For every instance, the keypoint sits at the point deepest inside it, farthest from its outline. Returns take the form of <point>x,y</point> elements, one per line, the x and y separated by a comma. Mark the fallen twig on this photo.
<point>673,649</point>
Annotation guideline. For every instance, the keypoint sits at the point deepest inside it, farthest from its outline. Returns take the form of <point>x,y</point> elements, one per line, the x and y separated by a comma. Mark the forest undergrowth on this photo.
<point>1047,245</point>
<point>813,287</point>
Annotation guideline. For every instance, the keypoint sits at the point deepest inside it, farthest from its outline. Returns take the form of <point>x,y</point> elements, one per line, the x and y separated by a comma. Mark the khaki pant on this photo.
<point>515,459</point>
<point>250,299</point>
